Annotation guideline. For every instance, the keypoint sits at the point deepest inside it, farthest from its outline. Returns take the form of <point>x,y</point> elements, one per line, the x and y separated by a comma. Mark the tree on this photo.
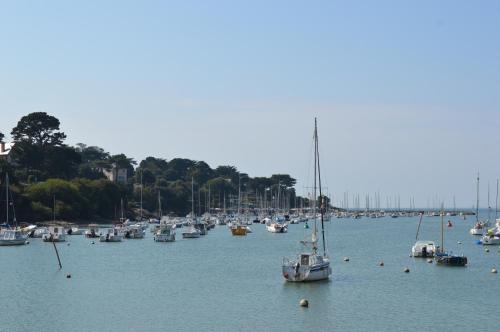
<point>1,137</point>
<point>40,129</point>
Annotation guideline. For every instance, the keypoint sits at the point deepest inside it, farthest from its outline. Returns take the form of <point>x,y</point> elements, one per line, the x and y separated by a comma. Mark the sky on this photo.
<point>406,92</point>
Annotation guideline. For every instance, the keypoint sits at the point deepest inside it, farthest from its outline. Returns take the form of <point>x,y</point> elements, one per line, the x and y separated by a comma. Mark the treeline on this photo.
<point>46,173</point>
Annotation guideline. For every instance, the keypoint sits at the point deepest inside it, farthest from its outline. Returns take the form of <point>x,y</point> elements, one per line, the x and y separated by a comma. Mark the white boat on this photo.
<point>310,265</point>
<point>112,235</point>
<point>423,249</point>
<point>12,237</point>
<point>39,232</point>
<point>55,234</point>
<point>490,239</point>
<point>277,227</point>
<point>166,233</point>
<point>478,229</point>
<point>93,231</point>
<point>135,231</point>
<point>74,231</point>
<point>479,226</point>
<point>191,233</point>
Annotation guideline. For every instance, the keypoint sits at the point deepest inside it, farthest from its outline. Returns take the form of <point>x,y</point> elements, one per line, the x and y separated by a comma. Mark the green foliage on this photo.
<point>44,168</point>
<point>1,137</point>
<point>38,128</point>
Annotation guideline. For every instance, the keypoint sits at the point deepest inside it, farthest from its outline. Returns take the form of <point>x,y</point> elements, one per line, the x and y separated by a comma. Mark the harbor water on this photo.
<point>221,282</point>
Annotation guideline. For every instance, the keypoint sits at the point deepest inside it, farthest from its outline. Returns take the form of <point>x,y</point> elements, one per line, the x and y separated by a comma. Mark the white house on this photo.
<point>5,149</point>
<point>115,174</point>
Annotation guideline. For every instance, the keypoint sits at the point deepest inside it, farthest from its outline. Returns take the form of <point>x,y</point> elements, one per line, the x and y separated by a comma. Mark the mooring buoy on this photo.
<point>304,303</point>
<point>429,260</point>
<point>381,263</point>
<point>493,270</point>
<point>346,259</point>
<point>68,276</point>
<point>487,250</point>
<point>406,270</point>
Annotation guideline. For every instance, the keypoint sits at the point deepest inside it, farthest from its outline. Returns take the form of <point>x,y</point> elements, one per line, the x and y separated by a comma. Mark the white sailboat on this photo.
<point>310,265</point>
<point>479,226</point>
<point>10,236</point>
<point>55,233</point>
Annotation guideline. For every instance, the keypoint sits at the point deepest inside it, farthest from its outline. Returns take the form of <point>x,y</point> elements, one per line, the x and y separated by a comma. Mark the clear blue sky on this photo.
<point>406,92</point>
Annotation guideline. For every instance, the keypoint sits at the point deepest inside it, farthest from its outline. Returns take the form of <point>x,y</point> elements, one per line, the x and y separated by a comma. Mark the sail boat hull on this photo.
<point>306,268</point>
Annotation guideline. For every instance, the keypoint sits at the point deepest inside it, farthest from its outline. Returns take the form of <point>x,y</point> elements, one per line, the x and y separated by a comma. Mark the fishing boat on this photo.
<point>39,232</point>
<point>111,235</point>
<point>423,249</point>
<point>166,233</point>
<point>310,265</point>
<point>447,258</point>
<point>11,236</point>
<point>238,229</point>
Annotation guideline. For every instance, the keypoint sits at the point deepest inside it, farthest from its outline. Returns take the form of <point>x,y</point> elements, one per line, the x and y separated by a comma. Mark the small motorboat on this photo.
<point>191,233</point>
<point>112,235</point>
<point>55,234</point>
<point>93,231</point>
<point>166,233</point>
<point>423,249</point>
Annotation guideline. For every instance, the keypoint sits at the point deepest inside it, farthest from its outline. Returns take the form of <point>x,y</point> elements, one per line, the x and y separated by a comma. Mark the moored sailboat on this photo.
<point>310,265</point>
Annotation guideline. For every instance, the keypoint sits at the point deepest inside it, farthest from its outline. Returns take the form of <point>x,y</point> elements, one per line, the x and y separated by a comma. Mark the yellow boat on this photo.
<point>239,230</point>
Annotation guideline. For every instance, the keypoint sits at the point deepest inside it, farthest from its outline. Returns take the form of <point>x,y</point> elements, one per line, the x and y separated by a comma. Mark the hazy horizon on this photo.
<point>406,94</point>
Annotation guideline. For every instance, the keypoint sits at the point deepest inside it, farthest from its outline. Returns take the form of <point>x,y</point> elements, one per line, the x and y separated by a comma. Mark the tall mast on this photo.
<point>159,204</point>
<point>496,204</point>
<point>7,197</point>
<point>477,198</point>
<point>192,198</point>
<point>141,198</point>
<point>239,194</point>
<point>442,228</point>
<point>489,207</point>
<point>314,187</point>
<point>322,202</point>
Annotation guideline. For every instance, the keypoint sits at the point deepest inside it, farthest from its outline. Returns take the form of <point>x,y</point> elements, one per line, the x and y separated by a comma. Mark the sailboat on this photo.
<point>444,258</point>
<point>238,228</point>
<point>422,248</point>
<point>310,265</point>
<point>55,233</point>
<point>10,236</point>
<point>192,232</point>
<point>479,226</point>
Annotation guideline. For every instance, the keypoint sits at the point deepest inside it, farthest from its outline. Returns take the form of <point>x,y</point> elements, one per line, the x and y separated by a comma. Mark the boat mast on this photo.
<point>489,207</point>
<point>477,199</point>
<point>239,194</point>
<point>322,199</point>
<point>496,204</point>
<point>192,198</point>
<point>442,228</point>
<point>141,198</point>
<point>7,197</point>
<point>159,204</point>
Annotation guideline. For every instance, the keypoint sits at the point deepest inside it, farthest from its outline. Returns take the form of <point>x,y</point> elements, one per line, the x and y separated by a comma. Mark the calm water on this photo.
<point>225,283</point>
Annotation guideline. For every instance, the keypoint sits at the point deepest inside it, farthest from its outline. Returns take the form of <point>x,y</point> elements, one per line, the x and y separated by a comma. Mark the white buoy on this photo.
<point>304,303</point>
<point>346,259</point>
<point>493,270</point>
<point>381,263</point>
<point>429,260</point>
<point>406,270</point>
<point>459,242</point>
<point>487,250</point>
